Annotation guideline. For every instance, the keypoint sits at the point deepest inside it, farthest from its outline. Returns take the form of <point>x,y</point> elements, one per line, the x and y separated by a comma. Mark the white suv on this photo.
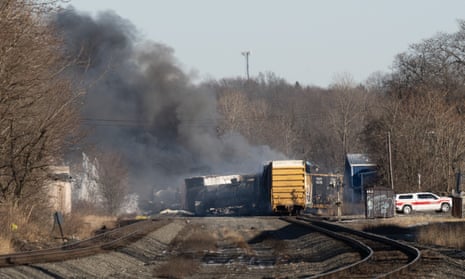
<point>424,201</point>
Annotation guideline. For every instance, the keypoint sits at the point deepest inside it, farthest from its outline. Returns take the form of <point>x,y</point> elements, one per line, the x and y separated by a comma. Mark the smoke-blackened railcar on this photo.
<point>326,190</point>
<point>224,194</point>
<point>284,187</point>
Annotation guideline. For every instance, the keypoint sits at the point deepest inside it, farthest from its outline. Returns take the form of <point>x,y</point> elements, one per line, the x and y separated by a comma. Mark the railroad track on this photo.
<point>258,247</point>
<point>282,250</point>
<point>103,242</point>
<point>381,257</point>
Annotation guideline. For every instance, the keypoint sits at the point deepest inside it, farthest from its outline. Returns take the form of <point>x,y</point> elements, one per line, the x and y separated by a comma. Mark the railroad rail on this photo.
<point>103,242</point>
<point>381,257</point>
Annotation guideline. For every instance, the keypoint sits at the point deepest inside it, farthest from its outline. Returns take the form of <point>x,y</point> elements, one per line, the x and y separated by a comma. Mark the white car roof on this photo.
<point>416,193</point>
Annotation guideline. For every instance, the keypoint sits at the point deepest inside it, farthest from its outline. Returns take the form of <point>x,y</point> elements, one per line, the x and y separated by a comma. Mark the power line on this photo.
<point>206,122</point>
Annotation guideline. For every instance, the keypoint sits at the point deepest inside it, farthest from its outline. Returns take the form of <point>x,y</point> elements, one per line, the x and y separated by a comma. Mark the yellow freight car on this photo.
<point>289,186</point>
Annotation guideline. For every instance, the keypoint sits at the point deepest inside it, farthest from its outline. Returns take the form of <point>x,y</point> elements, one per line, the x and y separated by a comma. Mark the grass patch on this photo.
<point>195,239</point>
<point>177,268</point>
<point>19,225</point>
<point>448,234</point>
<point>427,230</point>
<point>32,230</point>
<point>192,244</point>
<point>199,239</point>
<point>78,226</point>
<point>234,238</point>
<point>5,246</point>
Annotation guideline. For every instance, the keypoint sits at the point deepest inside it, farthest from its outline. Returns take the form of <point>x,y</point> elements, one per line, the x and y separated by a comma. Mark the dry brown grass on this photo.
<point>193,243</point>
<point>450,234</point>
<point>177,268</point>
<point>428,229</point>
<point>199,240</point>
<point>195,239</point>
<point>33,233</point>
<point>234,238</point>
<point>83,226</point>
<point>26,228</point>
<point>402,221</point>
<point>5,246</point>
<point>19,228</point>
<point>29,224</point>
<point>278,246</point>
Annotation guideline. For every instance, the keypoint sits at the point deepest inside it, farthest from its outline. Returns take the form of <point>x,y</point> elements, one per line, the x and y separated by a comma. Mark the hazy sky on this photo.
<point>299,40</point>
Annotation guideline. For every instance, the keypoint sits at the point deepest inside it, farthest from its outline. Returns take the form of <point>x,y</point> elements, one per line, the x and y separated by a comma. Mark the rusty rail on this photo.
<point>343,233</point>
<point>101,243</point>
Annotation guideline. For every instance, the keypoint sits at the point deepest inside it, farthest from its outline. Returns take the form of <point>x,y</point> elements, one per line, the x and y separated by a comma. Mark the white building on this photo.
<point>60,189</point>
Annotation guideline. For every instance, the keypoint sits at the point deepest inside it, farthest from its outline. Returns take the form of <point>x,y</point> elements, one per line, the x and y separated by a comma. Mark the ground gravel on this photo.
<point>225,247</point>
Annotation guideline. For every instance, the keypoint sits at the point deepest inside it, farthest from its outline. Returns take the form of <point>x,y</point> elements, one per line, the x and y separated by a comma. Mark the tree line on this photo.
<point>421,106</point>
<point>417,110</point>
<point>38,117</point>
<point>39,113</point>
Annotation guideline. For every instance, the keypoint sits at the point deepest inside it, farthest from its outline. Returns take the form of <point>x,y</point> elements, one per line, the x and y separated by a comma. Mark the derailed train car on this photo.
<point>284,187</point>
<point>224,195</point>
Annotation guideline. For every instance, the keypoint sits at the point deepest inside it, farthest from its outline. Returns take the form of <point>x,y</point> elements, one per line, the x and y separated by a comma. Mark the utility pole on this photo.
<point>246,55</point>
<point>390,160</point>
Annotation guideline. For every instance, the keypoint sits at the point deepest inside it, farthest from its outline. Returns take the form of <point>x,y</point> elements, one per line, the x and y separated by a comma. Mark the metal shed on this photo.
<point>360,172</point>
<point>380,202</point>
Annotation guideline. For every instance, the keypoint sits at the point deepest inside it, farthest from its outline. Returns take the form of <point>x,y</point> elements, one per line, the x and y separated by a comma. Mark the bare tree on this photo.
<point>436,63</point>
<point>38,116</point>
<point>288,118</point>
<point>426,138</point>
<point>423,112</point>
<point>112,181</point>
<point>348,111</point>
<point>233,105</point>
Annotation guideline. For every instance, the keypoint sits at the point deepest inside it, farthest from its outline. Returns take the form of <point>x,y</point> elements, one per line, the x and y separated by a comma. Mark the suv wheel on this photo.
<point>407,209</point>
<point>445,207</point>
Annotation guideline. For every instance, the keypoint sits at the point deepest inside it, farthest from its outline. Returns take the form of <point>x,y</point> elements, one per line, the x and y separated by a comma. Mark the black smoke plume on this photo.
<point>142,104</point>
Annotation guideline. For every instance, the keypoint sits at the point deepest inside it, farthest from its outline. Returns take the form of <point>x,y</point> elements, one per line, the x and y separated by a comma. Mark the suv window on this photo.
<point>426,196</point>
<point>405,197</point>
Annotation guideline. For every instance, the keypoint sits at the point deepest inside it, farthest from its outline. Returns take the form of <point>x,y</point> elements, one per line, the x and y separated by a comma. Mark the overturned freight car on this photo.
<point>223,195</point>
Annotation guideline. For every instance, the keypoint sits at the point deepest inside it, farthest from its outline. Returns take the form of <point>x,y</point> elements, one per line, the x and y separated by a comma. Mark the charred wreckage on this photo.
<point>283,187</point>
